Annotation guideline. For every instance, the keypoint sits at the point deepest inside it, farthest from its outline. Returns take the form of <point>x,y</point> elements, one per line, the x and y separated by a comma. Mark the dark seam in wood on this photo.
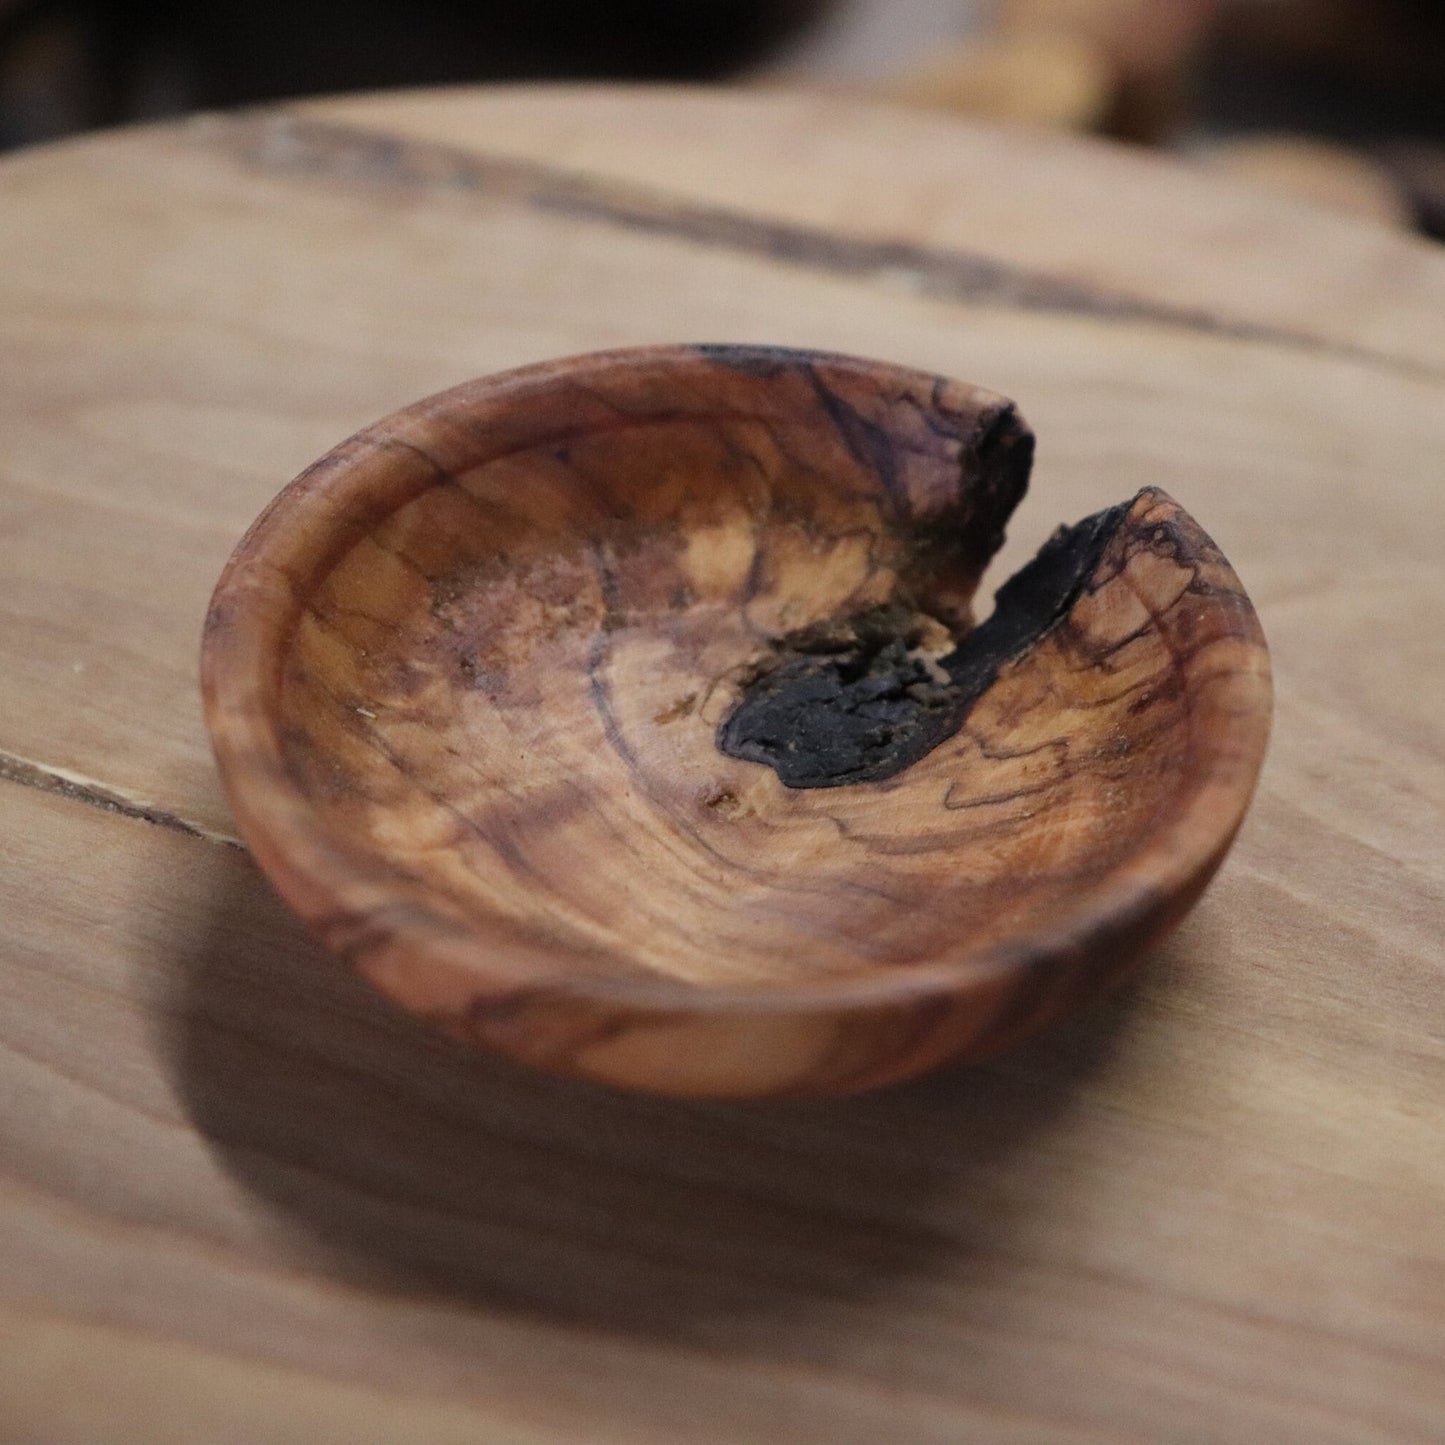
<point>95,795</point>
<point>277,141</point>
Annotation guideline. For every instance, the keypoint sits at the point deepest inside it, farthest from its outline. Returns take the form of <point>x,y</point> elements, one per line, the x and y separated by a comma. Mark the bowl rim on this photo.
<point>251,617</point>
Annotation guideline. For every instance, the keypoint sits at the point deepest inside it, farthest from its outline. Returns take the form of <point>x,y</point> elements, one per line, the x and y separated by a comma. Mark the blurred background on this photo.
<point>1341,102</point>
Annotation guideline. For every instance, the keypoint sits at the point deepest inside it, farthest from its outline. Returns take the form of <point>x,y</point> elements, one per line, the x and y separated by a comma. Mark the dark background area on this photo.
<point>1337,101</point>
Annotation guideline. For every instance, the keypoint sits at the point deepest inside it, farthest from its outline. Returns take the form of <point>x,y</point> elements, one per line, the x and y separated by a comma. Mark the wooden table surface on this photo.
<point>240,1200</point>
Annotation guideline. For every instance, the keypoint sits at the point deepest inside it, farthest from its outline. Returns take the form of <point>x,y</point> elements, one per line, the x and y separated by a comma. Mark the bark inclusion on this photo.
<point>861,699</point>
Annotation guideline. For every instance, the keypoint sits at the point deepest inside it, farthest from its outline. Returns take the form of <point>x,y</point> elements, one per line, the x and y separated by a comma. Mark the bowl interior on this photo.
<point>519,613</point>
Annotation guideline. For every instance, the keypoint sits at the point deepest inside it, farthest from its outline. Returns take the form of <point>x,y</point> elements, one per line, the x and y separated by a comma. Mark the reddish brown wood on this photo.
<point>465,679</point>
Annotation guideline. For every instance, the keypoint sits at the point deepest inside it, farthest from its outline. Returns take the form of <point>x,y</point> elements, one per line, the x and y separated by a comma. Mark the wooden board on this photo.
<point>239,1200</point>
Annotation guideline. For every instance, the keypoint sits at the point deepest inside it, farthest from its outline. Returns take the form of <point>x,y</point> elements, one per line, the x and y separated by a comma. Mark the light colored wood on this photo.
<point>1150,44</point>
<point>1038,78</point>
<point>1209,1210</point>
<point>1124,220</point>
<point>1320,172</point>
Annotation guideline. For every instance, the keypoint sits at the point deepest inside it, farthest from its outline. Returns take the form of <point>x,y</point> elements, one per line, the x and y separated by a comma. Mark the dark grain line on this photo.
<point>279,142</point>
<point>96,795</point>
<point>994,800</point>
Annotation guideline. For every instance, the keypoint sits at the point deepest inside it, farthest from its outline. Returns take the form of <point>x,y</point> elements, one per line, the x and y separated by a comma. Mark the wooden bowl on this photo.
<point>626,714</point>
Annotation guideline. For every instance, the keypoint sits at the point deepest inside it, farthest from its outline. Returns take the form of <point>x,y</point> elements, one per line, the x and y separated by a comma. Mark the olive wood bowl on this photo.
<point>627,714</point>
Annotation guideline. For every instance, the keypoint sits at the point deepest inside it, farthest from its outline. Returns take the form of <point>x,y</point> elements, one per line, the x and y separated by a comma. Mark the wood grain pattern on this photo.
<point>241,1197</point>
<point>939,191</point>
<point>468,680</point>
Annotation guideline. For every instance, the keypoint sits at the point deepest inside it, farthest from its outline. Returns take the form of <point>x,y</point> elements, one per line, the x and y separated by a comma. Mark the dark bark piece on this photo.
<point>860,714</point>
<point>466,680</point>
<point>872,704</point>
